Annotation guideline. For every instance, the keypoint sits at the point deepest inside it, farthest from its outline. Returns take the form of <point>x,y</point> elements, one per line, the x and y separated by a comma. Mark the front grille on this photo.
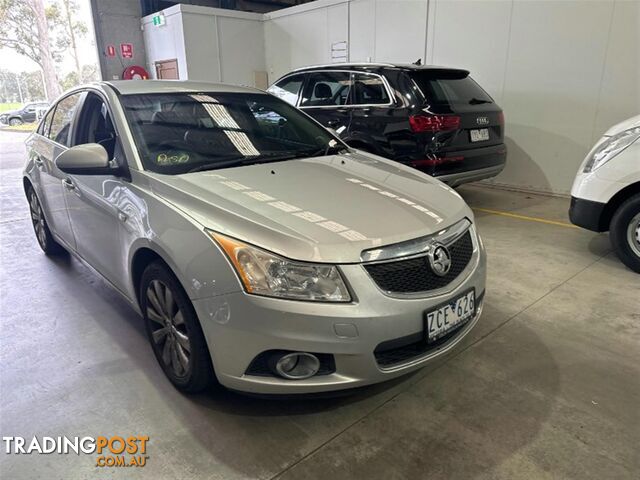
<point>415,275</point>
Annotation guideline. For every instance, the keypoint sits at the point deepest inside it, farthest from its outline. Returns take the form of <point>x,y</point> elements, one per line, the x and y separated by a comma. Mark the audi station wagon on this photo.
<point>435,119</point>
<point>263,253</point>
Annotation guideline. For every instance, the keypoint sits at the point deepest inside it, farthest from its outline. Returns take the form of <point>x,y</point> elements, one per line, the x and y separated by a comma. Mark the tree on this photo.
<point>88,73</point>
<point>67,28</point>
<point>24,28</point>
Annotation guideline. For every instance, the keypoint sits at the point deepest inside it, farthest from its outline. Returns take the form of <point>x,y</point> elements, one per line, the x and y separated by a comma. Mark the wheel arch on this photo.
<point>614,203</point>
<point>142,256</point>
<point>26,183</point>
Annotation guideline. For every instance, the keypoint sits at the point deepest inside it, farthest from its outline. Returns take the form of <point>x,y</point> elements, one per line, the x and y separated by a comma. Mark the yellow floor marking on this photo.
<point>525,217</point>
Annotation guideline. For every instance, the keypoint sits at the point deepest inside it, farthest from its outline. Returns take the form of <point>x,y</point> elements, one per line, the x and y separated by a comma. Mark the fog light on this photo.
<point>297,366</point>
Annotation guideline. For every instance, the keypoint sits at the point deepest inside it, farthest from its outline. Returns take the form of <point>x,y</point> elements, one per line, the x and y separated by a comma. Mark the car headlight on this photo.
<point>609,148</point>
<point>264,273</point>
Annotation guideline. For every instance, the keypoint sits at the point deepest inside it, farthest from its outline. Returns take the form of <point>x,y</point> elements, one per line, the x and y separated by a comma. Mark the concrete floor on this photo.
<point>547,385</point>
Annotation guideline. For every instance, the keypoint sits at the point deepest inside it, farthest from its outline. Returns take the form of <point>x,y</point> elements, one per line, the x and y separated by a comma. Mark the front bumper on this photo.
<point>587,214</point>
<point>238,327</point>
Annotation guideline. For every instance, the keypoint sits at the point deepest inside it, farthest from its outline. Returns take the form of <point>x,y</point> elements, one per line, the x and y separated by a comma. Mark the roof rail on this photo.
<point>354,64</point>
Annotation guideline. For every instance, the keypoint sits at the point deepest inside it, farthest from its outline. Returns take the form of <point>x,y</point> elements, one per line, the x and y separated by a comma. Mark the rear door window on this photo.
<point>62,117</point>
<point>288,89</point>
<point>326,89</point>
<point>442,87</point>
<point>368,90</point>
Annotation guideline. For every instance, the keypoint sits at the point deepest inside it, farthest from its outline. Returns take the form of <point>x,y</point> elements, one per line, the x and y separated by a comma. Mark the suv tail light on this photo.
<point>501,118</point>
<point>434,123</point>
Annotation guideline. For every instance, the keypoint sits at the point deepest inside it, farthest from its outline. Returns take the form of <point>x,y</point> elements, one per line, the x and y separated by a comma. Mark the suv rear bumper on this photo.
<point>455,179</point>
<point>463,166</point>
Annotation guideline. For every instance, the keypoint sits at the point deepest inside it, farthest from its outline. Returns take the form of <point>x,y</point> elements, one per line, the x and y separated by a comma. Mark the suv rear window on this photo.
<point>442,87</point>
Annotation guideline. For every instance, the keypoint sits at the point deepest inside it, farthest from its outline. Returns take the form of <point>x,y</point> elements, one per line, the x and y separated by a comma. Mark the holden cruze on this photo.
<point>262,252</point>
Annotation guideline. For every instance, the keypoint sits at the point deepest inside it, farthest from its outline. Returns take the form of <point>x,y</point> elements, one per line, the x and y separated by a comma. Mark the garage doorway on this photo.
<point>167,70</point>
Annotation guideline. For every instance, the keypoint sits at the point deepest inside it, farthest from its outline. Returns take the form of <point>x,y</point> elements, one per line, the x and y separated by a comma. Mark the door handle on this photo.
<point>68,184</point>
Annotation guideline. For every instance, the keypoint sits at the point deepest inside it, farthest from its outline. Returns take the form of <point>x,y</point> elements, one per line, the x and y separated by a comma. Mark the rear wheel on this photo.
<point>14,122</point>
<point>625,233</point>
<point>40,226</point>
<point>174,330</point>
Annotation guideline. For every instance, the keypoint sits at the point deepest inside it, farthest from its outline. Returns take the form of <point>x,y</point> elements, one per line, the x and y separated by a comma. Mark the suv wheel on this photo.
<point>14,122</point>
<point>625,233</point>
<point>40,227</point>
<point>174,330</point>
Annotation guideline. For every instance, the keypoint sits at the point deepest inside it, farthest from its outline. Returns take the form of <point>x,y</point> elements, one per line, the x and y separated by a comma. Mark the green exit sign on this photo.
<point>158,20</point>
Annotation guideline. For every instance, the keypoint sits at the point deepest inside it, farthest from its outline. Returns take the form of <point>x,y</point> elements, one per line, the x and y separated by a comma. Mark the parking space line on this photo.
<point>525,217</point>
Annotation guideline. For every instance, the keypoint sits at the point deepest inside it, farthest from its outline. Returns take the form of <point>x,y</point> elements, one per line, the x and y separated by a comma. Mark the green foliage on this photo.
<point>29,84</point>
<point>67,30</point>
<point>18,29</point>
<point>89,73</point>
<point>18,32</point>
<point>6,107</point>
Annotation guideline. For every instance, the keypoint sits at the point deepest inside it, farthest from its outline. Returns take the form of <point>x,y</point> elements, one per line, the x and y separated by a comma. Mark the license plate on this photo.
<point>448,316</point>
<point>479,135</point>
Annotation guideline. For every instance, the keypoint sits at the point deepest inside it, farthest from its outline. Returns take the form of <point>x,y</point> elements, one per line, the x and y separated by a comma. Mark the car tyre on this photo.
<point>625,233</point>
<point>174,330</point>
<point>14,122</point>
<point>43,235</point>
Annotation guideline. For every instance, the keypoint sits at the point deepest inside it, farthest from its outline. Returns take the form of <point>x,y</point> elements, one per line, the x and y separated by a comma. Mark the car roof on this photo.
<point>377,66</point>
<point>131,87</point>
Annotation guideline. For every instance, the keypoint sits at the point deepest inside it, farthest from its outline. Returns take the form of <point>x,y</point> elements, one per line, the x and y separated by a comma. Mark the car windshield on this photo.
<point>179,133</point>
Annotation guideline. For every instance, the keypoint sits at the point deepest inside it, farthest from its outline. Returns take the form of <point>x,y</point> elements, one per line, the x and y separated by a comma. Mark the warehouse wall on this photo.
<point>563,71</point>
<point>166,42</point>
<point>116,22</point>
<point>375,30</point>
<point>210,44</point>
<point>303,35</point>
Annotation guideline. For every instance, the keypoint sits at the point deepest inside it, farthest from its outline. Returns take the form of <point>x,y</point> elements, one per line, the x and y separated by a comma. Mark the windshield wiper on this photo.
<point>234,160</point>
<point>229,161</point>
<point>329,149</point>
<point>478,101</point>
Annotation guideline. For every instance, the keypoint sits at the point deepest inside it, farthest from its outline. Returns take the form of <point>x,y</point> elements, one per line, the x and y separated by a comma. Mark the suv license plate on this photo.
<point>445,318</point>
<point>480,135</point>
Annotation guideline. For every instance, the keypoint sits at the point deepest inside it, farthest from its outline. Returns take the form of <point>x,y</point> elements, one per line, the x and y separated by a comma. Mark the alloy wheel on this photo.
<point>633,234</point>
<point>168,328</point>
<point>37,218</point>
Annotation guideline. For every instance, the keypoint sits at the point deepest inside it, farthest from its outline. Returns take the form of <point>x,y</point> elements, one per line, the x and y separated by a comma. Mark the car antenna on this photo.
<point>418,62</point>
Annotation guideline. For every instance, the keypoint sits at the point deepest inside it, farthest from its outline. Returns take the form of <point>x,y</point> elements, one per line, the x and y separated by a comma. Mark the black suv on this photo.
<point>26,114</point>
<point>438,120</point>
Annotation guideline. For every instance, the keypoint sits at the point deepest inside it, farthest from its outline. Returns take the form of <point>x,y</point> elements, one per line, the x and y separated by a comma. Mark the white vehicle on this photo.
<point>606,192</point>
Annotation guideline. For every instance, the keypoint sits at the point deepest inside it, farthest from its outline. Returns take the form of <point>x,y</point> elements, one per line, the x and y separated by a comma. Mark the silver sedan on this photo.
<point>262,252</point>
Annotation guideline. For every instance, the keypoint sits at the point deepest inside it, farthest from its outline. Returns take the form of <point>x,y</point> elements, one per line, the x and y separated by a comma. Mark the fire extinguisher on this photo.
<point>135,72</point>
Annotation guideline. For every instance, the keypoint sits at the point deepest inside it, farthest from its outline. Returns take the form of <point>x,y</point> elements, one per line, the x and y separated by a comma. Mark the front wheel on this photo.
<point>14,122</point>
<point>625,233</point>
<point>174,330</point>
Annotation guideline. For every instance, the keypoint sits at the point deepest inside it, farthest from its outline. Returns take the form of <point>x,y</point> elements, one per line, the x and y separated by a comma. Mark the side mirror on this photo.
<point>87,159</point>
